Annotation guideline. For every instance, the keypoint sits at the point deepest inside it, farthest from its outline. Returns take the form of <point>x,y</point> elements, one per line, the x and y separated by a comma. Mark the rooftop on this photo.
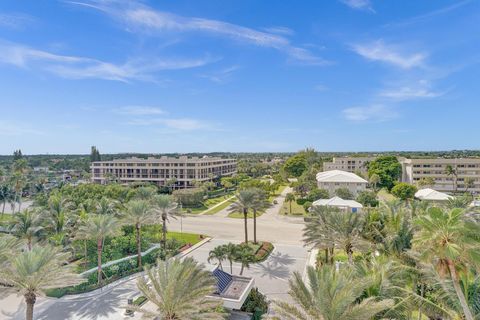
<point>230,286</point>
<point>339,176</point>
<point>337,202</point>
<point>433,195</point>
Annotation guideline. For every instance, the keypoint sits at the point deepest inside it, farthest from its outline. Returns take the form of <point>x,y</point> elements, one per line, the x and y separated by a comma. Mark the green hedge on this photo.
<point>112,273</point>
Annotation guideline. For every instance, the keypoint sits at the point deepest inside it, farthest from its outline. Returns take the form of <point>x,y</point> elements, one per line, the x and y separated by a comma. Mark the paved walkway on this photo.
<point>217,205</point>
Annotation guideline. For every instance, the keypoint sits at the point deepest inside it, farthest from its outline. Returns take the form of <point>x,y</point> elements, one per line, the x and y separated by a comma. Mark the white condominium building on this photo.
<point>336,179</point>
<point>183,169</point>
<point>349,164</point>
<point>416,169</point>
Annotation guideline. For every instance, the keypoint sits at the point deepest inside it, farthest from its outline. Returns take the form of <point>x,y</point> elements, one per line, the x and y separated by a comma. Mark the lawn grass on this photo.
<point>207,204</point>
<point>237,215</point>
<point>191,238</point>
<point>219,208</point>
<point>297,210</point>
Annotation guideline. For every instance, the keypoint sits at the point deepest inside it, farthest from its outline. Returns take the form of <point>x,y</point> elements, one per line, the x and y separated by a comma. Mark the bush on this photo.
<point>189,197</point>
<point>368,198</point>
<point>307,205</point>
<point>344,193</point>
<point>316,194</point>
<point>255,302</point>
<point>301,201</point>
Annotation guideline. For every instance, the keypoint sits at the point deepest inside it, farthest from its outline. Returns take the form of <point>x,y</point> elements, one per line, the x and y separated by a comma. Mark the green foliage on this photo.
<point>189,197</point>
<point>388,169</point>
<point>296,165</point>
<point>344,193</point>
<point>307,205</point>
<point>256,302</point>
<point>95,154</point>
<point>316,194</point>
<point>404,191</point>
<point>368,198</point>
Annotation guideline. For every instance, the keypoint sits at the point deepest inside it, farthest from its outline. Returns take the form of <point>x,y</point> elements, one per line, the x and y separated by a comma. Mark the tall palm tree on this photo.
<point>260,202</point>
<point>165,207</point>
<point>290,197</point>
<point>230,254</point>
<point>58,212</point>
<point>342,230</point>
<point>145,193</point>
<point>5,195</point>
<point>138,213</point>
<point>317,231</point>
<point>27,225</point>
<point>449,242</point>
<point>107,206</point>
<point>218,253</point>
<point>18,182</point>
<point>179,290</point>
<point>245,201</point>
<point>451,171</point>
<point>98,227</point>
<point>32,272</point>
<point>245,255</point>
<point>330,295</point>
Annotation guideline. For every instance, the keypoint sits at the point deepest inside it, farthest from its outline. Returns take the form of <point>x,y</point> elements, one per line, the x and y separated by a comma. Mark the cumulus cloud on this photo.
<point>359,4</point>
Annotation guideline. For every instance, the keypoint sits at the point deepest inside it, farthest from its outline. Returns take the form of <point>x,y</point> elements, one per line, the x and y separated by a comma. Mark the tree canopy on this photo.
<point>388,169</point>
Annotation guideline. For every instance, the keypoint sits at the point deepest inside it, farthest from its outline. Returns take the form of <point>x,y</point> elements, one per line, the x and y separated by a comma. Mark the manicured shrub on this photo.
<point>301,201</point>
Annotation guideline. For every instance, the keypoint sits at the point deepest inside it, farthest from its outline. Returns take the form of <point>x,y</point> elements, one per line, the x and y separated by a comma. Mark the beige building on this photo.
<point>183,169</point>
<point>416,169</point>
<point>336,179</point>
<point>349,164</point>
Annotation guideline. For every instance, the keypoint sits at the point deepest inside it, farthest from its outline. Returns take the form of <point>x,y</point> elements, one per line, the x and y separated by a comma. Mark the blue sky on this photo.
<point>225,75</point>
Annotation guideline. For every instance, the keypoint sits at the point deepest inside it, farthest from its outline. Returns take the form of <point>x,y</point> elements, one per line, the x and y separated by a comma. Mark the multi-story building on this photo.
<point>183,170</point>
<point>465,168</point>
<point>349,164</point>
<point>336,179</point>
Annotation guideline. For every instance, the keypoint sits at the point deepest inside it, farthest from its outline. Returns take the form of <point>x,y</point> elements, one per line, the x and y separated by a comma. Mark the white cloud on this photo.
<point>407,93</point>
<point>139,110</point>
<point>359,4</point>
<point>370,113</point>
<point>14,20</point>
<point>280,30</point>
<point>379,51</point>
<point>141,18</point>
<point>221,76</point>
<point>75,67</point>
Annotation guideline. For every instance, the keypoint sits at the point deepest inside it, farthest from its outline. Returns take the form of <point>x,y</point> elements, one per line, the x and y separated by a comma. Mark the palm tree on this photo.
<point>218,253</point>
<point>8,246</point>
<point>58,212</point>
<point>230,254</point>
<point>469,183</point>
<point>449,242</point>
<point>260,202</point>
<point>145,193</point>
<point>330,295</point>
<point>18,182</point>
<point>98,227</point>
<point>290,197</point>
<point>341,230</point>
<point>245,255</point>
<point>166,207</point>
<point>318,232</point>
<point>4,196</point>
<point>245,200</point>
<point>451,171</point>
<point>27,225</point>
<point>139,213</point>
<point>107,206</point>
<point>179,290</point>
<point>32,272</point>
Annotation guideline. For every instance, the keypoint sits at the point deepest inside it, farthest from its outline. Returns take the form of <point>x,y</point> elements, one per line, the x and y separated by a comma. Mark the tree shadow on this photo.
<point>276,266</point>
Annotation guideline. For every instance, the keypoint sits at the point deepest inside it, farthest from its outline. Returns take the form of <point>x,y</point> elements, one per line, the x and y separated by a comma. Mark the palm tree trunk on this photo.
<point>164,232</point>
<point>458,290</point>
<point>99,261</point>
<point>255,226</point>
<point>326,255</point>
<point>85,252</point>
<point>231,267</point>
<point>3,208</point>
<point>350,255</point>
<point>29,244</point>
<point>290,207</point>
<point>241,270</point>
<point>139,247</point>
<point>30,299</point>
<point>331,254</point>
<point>245,216</point>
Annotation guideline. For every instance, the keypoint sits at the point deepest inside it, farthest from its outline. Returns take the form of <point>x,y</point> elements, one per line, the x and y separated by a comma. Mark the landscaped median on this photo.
<point>126,266</point>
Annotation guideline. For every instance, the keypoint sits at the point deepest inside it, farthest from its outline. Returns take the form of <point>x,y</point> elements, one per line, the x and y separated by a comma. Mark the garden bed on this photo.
<point>261,249</point>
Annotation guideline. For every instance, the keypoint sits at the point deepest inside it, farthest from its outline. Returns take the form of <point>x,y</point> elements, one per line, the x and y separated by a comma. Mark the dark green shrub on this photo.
<point>301,201</point>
